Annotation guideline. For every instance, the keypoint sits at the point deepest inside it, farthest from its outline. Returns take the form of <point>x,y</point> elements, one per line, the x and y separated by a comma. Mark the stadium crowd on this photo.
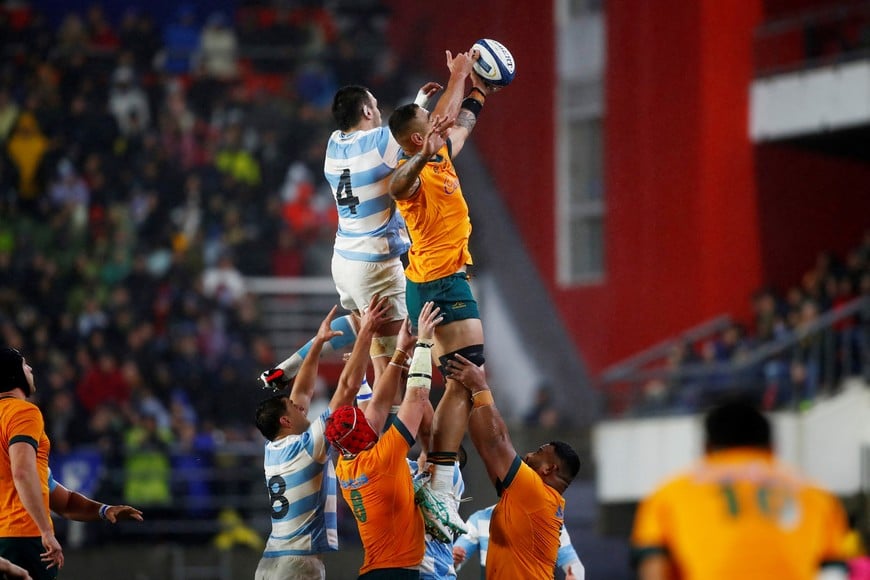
<point>808,365</point>
<point>146,168</point>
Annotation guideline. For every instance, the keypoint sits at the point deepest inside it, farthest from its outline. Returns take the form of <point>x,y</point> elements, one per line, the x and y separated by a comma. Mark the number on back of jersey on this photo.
<point>344,192</point>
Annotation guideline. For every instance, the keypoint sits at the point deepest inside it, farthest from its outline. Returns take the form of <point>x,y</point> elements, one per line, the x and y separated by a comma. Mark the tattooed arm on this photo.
<point>466,119</point>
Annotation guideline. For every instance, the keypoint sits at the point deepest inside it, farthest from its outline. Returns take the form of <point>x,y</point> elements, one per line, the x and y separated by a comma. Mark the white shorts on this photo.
<point>357,282</point>
<point>296,567</point>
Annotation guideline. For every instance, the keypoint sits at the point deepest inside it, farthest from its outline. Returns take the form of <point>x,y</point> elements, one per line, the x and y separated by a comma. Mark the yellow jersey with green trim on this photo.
<point>525,529</point>
<point>438,222</point>
<point>741,514</point>
<point>377,486</point>
<point>21,423</point>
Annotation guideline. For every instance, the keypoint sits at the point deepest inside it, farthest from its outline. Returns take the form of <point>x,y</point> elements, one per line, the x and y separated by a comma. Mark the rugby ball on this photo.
<point>496,64</point>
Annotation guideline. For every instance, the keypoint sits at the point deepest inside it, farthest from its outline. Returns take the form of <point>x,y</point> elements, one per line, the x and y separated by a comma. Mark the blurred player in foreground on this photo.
<point>739,513</point>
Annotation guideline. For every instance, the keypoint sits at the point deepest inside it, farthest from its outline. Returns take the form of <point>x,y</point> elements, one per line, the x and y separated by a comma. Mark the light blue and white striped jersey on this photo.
<point>300,479</point>
<point>477,539</point>
<point>358,167</point>
<point>438,558</point>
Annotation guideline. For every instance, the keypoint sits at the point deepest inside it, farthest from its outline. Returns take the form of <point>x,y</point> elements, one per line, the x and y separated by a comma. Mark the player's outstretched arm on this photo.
<point>13,571</point>
<point>405,180</point>
<point>470,109</point>
<point>306,380</point>
<point>460,68</point>
<point>391,379</point>
<point>354,370</point>
<point>425,94</point>
<point>416,398</point>
<point>72,505</point>
<point>486,426</point>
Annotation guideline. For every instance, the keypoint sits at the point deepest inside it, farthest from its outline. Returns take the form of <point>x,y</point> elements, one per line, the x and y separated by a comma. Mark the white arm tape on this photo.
<point>422,100</point>
<point>420,373</point>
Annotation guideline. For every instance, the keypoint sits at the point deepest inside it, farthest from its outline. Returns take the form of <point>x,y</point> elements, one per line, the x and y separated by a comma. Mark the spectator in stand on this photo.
<point>103,383</point>
<point>223,283</point>
<point>129,103</point>
<point>9,111</point>
<point>27,148</point>
<point>180,40</point>
<point>218,48</point>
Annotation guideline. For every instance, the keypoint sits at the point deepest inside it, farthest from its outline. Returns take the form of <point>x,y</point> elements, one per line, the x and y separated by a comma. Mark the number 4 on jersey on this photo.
<point>344,192</point>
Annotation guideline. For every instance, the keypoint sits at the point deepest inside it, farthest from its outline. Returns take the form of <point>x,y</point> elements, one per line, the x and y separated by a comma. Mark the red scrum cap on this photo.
<point>349,430</point>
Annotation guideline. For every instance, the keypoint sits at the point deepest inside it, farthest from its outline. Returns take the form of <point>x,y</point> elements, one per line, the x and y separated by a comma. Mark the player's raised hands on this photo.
<point>436,135</point>
<point>459,65</point>
<point>429,89</point>
<point>406,338</point>
<point>430,317</point>
<point>324,332</point>
<point>471,376</point>
<point>376,314</point>
<point>116,513</point>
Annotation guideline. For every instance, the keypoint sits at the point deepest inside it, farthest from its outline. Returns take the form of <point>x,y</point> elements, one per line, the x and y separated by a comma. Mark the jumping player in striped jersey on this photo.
<point>300,477</point>
<point>360,156</point>
<point>477,540</point>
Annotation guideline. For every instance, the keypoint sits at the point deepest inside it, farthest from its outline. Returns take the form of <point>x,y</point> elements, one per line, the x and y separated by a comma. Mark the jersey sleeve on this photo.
<point>835,532</point>
<point>319,446</point>
<point>388,147</point>
<point>393,446</point>
<point>649,534</point>
<point>470,541</point>
<point>25,426</point>
<point>52,484</point>
<point>567,556</point>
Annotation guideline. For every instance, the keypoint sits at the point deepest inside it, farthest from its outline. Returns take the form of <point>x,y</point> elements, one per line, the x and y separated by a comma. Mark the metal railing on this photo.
<point>799,365</point>
<point>812,38</point>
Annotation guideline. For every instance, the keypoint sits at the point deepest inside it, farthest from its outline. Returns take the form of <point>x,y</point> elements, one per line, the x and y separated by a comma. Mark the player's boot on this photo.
<point>440,513</point>
<point>275,379</point>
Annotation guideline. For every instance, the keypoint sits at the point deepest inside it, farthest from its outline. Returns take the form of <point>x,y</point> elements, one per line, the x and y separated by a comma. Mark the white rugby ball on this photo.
<point>496,64</point>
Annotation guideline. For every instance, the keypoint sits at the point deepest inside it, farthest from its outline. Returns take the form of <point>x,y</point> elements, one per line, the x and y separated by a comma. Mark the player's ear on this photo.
<point>417,139</point>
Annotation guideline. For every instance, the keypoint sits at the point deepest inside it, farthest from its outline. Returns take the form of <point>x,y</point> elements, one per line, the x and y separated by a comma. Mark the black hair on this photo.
<point>347,105</point>
<point>570,459</point>
<point>269,413</point>
<point>401,117</point>
<point>736,424</point>
<point>12,371</point>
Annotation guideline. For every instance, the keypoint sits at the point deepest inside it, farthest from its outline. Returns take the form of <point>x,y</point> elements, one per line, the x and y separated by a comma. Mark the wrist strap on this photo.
<point>103,509</point>
<point>482,399</point>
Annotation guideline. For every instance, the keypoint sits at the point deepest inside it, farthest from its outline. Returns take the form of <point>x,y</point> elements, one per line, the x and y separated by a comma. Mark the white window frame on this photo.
<point>579,99</point>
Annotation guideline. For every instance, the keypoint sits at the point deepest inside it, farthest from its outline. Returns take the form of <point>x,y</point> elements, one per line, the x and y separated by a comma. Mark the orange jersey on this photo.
<point>437,219</point>
<point>525,527</point>
<point>741,514</point>
<point>21,423</point>
<point>377,486</point>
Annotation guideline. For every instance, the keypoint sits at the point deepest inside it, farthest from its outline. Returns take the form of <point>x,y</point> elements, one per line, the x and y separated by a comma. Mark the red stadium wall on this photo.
<point>694,215</point>
<point>682,233</point>
<point>808,202</point>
